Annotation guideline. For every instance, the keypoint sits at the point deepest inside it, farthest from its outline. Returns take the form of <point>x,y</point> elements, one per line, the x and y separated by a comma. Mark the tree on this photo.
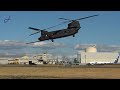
<point>75,60</point>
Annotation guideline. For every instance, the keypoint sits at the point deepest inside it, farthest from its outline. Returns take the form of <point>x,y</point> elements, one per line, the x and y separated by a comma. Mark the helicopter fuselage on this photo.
<point>58,34</point>
<point>72,29</point>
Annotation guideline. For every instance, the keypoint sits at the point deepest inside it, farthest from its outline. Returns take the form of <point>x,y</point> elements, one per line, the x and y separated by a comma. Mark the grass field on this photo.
<point>34,72</point>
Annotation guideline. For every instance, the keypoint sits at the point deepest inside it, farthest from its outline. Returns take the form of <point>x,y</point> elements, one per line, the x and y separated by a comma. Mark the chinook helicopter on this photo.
<point>72,29</point>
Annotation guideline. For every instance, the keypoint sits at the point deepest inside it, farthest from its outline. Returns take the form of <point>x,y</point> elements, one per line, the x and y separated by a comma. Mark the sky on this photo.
<point>102,31</point>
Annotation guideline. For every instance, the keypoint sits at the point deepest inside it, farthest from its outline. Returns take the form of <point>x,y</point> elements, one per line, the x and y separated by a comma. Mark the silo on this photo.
<point>91,49</point>
<point>79,56</point>
<point>83,55</point>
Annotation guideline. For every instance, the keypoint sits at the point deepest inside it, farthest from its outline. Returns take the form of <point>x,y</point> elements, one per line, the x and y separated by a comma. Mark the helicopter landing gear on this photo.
<point>73,35</point>
<point>52,40</point>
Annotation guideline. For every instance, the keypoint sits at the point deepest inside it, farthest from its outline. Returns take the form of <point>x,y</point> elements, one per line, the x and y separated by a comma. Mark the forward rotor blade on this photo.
<point>34,28</point>
<point>87,17</point>
<point>49,27</point>
<point>64,18</point>
<point>34,33</point>
<point>32,42</point>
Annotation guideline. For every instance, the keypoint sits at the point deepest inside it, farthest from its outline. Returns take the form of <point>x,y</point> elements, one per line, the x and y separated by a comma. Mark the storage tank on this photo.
<point>91,49</point>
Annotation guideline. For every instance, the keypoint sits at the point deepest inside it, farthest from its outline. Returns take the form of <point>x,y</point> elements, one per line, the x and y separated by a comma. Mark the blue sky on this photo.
<point>102,30</point>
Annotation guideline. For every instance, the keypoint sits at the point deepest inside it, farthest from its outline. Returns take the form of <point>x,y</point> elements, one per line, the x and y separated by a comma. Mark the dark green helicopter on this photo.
<point>72,29</point>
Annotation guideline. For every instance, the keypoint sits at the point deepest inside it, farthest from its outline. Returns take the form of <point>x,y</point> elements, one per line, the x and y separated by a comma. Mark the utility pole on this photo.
<point>85,59</point>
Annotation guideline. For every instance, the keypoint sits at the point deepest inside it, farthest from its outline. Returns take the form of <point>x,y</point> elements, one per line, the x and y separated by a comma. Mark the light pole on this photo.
<point>85,59</point>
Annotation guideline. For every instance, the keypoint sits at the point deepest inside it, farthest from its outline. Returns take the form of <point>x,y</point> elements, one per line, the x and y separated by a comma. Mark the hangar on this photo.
<point>90,54</point>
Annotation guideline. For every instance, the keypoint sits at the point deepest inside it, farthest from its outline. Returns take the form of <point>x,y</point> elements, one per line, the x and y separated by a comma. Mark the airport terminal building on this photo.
<point>91,55</point>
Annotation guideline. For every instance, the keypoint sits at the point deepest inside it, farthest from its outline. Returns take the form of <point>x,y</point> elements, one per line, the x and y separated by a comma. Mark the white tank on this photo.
<point>91,49</point>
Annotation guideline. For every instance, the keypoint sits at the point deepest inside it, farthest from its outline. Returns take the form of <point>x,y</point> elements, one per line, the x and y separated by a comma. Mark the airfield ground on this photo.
<point>59,72</point>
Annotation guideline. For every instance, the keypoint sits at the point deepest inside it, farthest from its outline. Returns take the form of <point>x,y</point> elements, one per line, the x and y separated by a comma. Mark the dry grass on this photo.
<point>58,72</point>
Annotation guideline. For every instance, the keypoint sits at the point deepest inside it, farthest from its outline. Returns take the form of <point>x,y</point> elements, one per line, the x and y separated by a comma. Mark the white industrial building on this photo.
<point>7,59</point>
<point>91,55</point>
<point>47,58</point>
<point>37,59</point>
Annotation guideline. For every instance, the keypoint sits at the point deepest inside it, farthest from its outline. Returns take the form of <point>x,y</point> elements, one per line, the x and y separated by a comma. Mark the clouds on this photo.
<point>48,45</point>
<point>19,47</point>
<point>12,45</point>
<point>100,47</point>
<point>108,48</point>
<point>55,48</point>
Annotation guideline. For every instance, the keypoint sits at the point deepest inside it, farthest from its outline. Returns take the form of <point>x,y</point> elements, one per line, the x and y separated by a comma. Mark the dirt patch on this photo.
<point>58,73</point>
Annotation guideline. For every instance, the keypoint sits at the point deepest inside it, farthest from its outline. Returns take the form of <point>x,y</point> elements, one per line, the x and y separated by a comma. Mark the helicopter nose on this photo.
<point>39,38</point>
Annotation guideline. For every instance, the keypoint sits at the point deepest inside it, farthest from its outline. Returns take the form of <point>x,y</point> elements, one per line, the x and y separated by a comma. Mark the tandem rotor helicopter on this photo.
<point>72,29</point>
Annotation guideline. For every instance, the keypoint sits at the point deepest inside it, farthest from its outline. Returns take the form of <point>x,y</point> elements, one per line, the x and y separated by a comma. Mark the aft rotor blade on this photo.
<point>58,24</point>
<point>32,42</point>
<point>76,19</point>
<point>55,26</point>
<point>87,17</point>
